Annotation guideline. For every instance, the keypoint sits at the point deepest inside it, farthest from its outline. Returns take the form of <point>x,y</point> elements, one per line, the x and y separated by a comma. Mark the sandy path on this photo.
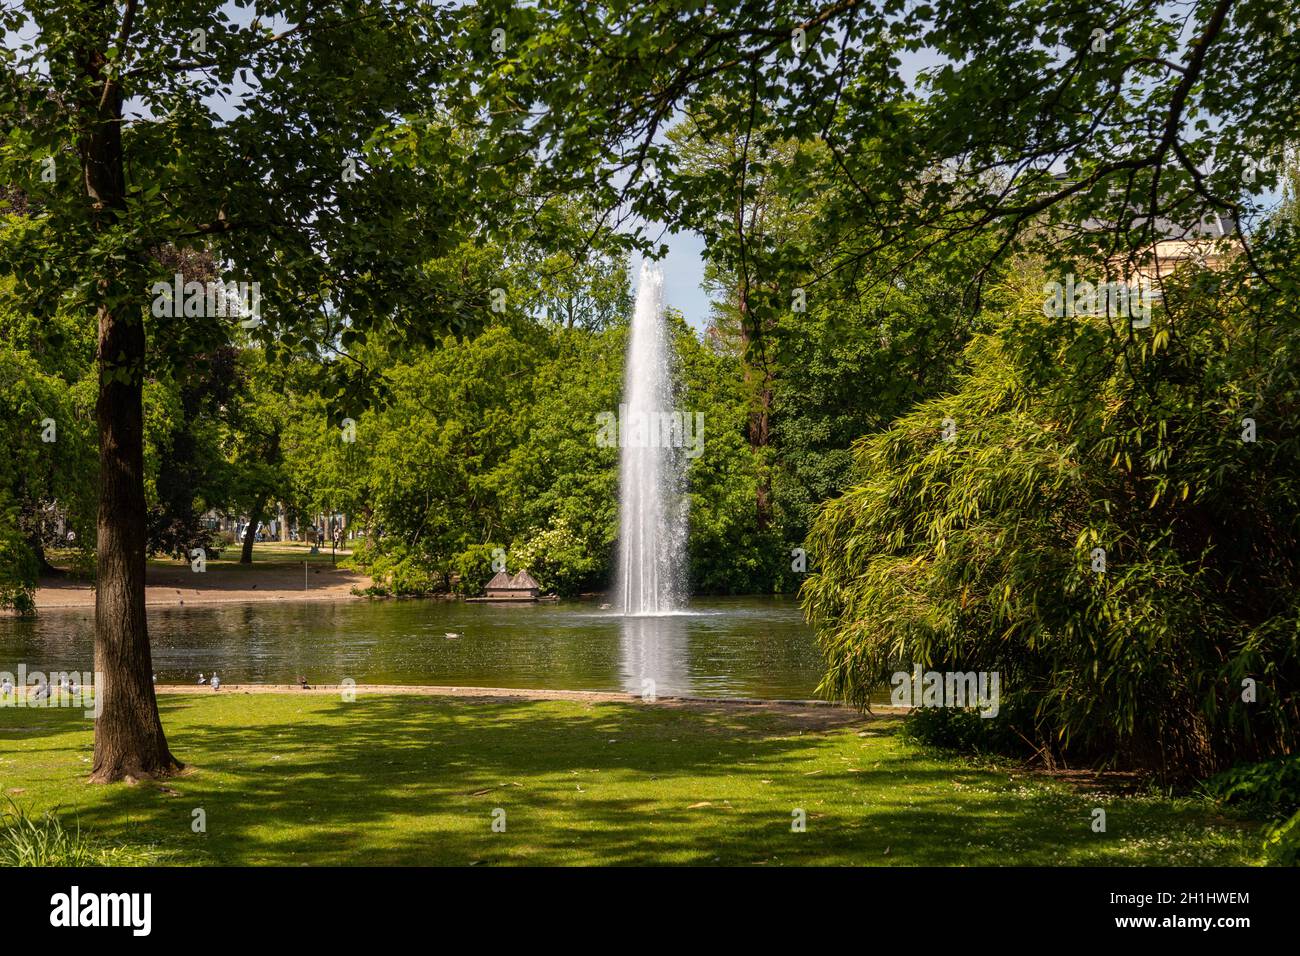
<point>168,586</point>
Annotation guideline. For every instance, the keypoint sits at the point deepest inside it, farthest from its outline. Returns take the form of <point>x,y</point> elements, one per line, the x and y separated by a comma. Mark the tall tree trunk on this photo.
<point>284,523</point>
<point>129,739</point>
<point>760,439</point>
<point>250,533</point>
<point>758,379</point>
<point>37,545</point>
<point>368,517</point>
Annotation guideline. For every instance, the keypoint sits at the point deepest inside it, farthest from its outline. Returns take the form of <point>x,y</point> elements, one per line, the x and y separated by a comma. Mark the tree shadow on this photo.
<point>416,780</point>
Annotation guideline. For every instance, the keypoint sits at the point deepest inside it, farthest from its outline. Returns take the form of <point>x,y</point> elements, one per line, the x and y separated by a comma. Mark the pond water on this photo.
<point>719,647</point>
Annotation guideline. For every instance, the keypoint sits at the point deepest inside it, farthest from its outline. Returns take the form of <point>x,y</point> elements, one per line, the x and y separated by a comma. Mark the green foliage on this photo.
<point>1270,787</point>
<point>18,564</point>
<point>976,553</point>
<point>40,481</point>
<point>491,442</point>
<point>962,729</point>
<point>854,362</point>
<point>398,573</point>
<point>473,568</point>
<point>559,560</point>
<point>1282,842</point>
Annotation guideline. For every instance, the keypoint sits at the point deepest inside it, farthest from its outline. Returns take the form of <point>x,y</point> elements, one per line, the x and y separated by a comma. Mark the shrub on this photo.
<point>1271,787</point>
<point>962,729</point>
<point>1070,436</point>
<point>18,569</point>
<point>559,560</point>
<point>1282,842</point>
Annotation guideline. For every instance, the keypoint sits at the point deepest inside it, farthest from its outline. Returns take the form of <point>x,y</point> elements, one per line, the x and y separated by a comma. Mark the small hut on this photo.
<point>503,587</point>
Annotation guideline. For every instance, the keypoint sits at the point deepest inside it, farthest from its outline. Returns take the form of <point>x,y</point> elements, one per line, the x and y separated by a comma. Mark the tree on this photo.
<point>758,232</point>
<point>46,398</point>
<point>1061,135</point>
<point>109,124</point>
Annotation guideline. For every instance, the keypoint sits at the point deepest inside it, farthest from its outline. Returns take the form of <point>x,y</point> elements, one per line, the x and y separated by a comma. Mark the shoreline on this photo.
<point>270,579</point>
<point>528,693</point>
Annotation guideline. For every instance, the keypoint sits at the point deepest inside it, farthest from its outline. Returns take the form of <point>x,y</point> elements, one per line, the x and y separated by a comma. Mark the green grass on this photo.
<point>46,840</point>
<point>266,554</point>
<point>287,779</point>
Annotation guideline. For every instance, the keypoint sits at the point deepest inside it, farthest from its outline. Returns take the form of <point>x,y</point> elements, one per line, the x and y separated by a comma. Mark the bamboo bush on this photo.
<point>1073,434</point>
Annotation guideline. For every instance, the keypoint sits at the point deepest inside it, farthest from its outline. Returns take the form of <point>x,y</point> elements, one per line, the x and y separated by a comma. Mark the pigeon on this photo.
<point>202,679</point>
<point>73,688</point>
<point>452,635</point>
<point>302,682</point>
<point>155,678</point>
<point>42,691</point>
<point>215,682</point>
<point>6,688</point>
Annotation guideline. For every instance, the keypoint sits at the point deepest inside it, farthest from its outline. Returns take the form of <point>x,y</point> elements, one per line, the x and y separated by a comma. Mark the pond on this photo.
<point>719,647</point>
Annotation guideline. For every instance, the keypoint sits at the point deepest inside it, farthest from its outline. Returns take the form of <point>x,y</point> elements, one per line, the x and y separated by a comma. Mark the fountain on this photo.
<point>652,507</point>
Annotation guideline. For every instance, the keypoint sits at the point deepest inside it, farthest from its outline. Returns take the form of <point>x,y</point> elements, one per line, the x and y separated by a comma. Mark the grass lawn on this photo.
<point>266,554</point>
<point>287,779</point>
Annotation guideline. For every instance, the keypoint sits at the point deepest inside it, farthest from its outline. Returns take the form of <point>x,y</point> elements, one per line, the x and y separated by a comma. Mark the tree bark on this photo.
<point>250,533</point>
<point>129,738</point>
<point>759,381</point>
<point>44,568</point>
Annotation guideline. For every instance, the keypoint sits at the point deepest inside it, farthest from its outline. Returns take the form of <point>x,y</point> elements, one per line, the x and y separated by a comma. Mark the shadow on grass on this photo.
<point>413,780</point>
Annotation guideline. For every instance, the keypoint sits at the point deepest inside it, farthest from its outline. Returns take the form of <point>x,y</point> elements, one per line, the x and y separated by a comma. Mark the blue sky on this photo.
<point>683,271</point>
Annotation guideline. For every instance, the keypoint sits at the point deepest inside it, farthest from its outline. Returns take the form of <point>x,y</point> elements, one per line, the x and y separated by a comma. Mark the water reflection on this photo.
<point>653,655</point>
<point>724,647</point>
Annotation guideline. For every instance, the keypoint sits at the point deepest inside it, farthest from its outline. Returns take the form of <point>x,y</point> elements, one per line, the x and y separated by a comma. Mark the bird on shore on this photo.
<point>215,682</point>
<point>6,688</point>
<point>605,607</point>
<point>155,678</point>
<point>452,635</point>
<point>73,687</point>
<point>302,682</point>
<point>202,679</point>
<point>42,691</point>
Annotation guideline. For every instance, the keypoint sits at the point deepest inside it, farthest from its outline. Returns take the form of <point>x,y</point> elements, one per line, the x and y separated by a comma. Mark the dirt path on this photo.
<point>171,585</point>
